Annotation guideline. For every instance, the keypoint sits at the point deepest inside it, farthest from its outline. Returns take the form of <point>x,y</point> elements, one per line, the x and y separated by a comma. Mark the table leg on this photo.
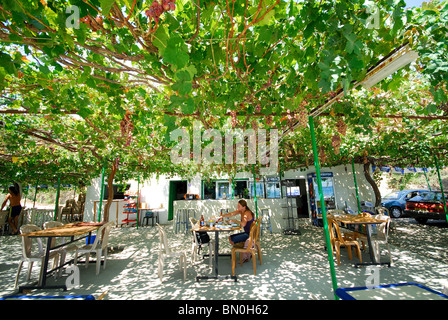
<point>217,276</point>
<point>216,252</point>
<point>369,241</point>
<point>371,252</point>
<point>43,284</point>
<point>45,266</point>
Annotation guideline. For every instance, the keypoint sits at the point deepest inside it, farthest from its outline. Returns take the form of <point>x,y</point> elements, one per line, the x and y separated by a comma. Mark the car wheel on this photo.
<point>395,212</point>
<point>421,220</point>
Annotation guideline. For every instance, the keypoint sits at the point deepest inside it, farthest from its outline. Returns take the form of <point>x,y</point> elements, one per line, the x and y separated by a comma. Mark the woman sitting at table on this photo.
<point>247,217</point>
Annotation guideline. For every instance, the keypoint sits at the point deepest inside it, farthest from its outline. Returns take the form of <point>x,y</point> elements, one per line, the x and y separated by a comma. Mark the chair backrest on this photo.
<point>193,225</point>
<point>337,232</point>
<point>253,233</point>
<point>382,210</point>
<point>52,224</point>
<point>258,224</point>
<point>27,242</point>
<point>105,234</point>
<point>163,244</point>
<point>383,228</point>
<point>331,231</point>
<point>336,212</point>
<point>82,198</point>
<point>3,215</point>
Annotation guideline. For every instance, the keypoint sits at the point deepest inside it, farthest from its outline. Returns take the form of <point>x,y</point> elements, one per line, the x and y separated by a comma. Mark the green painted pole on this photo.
<point>441,188</point>
<point>356,186</point>
<point>138,197</point>
<point>101,194</point>
<point>255,192</point>
<point>324,212</point>
<point>56,205</point>
<point>427,181</point>
<point>281,188</point>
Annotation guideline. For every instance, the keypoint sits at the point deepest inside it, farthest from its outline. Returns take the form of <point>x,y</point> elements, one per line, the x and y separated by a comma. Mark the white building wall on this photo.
<point>155,194</point>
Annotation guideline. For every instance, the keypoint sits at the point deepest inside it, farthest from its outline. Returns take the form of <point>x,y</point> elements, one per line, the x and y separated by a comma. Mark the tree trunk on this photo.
<point>372,182</point>
<point>110,186</point>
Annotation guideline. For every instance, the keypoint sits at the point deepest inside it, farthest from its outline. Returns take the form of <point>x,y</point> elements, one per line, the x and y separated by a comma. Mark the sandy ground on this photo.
<point>294,267</point>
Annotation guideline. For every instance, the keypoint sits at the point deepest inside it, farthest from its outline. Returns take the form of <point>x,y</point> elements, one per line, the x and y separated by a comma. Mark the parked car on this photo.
<point>428,205</point>
<point>395,202</point>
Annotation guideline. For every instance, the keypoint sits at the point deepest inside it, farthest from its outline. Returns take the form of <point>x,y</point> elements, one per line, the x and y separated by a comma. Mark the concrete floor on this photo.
<point>294,267</point>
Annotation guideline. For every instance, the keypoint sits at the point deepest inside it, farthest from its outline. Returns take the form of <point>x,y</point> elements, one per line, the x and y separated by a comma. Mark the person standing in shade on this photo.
<point>14,203</point>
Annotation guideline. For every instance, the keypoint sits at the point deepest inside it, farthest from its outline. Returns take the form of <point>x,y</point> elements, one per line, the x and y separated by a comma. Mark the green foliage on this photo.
<point>115,87</point>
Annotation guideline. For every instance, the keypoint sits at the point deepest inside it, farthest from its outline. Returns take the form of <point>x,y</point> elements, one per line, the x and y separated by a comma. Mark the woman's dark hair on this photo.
<point>244,204</point>
<point>15,189</point>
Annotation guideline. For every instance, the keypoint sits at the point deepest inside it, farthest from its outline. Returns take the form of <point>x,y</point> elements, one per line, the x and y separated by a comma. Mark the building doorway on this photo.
<point>298,191</point>
<point>177,190</point>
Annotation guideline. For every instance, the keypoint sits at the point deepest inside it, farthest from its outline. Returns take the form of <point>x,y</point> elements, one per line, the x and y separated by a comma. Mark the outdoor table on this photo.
<point>69,230</point>
<point>397,291</point>
<point>217,229</point>
<point>368,221</point>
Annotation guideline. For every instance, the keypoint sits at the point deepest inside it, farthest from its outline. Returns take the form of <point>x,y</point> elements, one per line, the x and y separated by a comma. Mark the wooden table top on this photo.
<point>223,228</point>
<point>67,230</point>
<point>351,219</point>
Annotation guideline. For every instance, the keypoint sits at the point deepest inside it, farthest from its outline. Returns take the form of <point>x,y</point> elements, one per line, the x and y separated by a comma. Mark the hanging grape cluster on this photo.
<point>254,125</point>
<point>126,128</point>
<point>156,9</point>
<point>336,143</point>
<point>341,126</point>
<point>234,119</point>
<point>94,23</point>
<point>301,116</point>
<point>322,155</point>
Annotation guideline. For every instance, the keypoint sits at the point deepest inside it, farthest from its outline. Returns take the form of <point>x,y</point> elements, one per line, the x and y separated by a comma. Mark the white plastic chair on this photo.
<point>196,246</point>
<point>382,235</point>
<point>99,246</point>
<point>63,250</point>
<point>29,256</point>
<point>166,252</point>
<point>3,222</point>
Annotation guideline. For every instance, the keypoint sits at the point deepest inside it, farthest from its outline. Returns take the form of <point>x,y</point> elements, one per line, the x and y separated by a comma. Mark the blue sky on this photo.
<point>414,3</point>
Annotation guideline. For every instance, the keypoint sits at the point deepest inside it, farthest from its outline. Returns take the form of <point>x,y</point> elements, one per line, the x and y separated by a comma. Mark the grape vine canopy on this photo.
<point>87,84</point>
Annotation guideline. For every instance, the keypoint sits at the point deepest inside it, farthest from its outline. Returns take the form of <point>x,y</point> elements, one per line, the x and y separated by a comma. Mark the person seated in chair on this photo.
<point>247,218</point>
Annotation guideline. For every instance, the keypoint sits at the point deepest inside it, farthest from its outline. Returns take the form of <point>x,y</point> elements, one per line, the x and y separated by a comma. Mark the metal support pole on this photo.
<point>281,188</point>
<point>255,192</point>
<point>101,194</point>
<point>56,205</point>
<point>356,186</point>
<point>427,181</point>
<point>441,188</point>
<point>324,212</point>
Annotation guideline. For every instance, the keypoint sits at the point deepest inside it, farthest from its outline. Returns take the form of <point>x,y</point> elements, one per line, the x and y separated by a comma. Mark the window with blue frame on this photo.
<point>273,188</point>
<point>223,190</point>
<point>260,189</point>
